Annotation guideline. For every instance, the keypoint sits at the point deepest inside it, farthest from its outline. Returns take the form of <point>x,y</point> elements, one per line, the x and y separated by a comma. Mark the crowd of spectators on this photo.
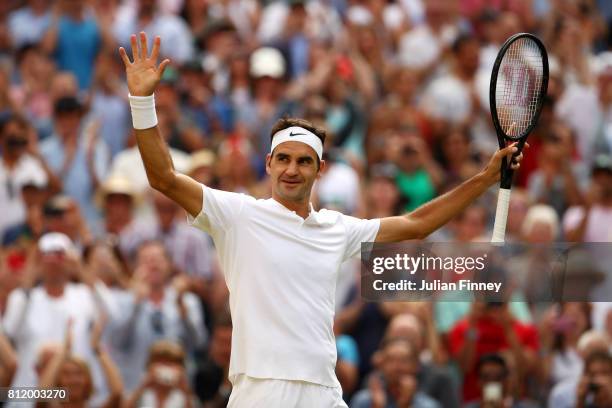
<point>107,291</point>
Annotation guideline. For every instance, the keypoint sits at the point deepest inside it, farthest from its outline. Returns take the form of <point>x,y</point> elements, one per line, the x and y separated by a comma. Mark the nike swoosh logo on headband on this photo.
<point>291,134</point>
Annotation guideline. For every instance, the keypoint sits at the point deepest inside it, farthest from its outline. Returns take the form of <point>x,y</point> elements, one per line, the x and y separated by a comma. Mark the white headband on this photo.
<point>298,134</point>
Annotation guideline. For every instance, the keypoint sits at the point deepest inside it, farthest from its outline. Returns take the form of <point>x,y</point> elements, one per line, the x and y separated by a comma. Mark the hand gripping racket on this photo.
<point>518,86</point>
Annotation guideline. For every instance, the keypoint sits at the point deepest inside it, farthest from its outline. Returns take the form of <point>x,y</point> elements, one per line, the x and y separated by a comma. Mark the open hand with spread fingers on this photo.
<point>142,72</point>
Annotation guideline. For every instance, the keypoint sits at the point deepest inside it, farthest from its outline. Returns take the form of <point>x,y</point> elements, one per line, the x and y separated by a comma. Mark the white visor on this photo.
<point>298,134</point>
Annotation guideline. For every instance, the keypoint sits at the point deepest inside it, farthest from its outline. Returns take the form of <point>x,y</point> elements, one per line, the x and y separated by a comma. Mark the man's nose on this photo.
<point>292,169</point>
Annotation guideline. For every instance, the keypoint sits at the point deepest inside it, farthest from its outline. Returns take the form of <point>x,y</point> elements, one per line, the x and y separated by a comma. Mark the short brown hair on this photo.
<point>287,122</point>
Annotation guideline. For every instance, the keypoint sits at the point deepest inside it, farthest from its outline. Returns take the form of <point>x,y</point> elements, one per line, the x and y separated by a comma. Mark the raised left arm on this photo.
<point>421,222</point>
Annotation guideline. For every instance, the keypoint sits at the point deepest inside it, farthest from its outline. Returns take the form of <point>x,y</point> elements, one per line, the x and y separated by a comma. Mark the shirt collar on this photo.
<point>314,217</point>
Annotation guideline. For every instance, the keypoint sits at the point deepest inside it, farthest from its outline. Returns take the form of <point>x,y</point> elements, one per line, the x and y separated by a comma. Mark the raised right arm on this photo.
<point>143,76</point>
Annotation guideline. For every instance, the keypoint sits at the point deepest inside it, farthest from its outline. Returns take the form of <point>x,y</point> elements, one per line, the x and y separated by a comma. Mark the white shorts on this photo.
<point>250,392</point>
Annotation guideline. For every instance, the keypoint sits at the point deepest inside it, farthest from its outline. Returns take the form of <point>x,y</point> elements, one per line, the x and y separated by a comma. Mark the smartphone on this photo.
<point>492,392</point>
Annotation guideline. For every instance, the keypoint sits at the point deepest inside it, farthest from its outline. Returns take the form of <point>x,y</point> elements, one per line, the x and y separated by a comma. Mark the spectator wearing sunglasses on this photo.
<point>157,308</point>
<point>17,168</point>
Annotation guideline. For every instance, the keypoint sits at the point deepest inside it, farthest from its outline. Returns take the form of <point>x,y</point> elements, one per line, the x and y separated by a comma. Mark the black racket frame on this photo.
<point>506,171</point>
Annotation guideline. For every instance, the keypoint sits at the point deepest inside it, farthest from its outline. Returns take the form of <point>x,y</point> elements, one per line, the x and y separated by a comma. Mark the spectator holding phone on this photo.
<point>165,383</point>
<point>494,381</point>
<point>595,386</point>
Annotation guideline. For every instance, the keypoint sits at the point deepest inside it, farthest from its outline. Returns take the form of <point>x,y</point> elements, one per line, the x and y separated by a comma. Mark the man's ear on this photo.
<point>268,161</point>
<point>321,169</point>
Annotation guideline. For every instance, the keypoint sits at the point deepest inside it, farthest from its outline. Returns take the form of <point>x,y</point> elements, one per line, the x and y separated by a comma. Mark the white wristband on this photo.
<point>143,111</point>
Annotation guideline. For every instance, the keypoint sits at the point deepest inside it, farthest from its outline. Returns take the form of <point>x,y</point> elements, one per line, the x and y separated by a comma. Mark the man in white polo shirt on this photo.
<point>280,257</point>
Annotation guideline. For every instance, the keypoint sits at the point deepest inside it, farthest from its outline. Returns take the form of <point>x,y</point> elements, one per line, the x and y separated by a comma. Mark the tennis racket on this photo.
<point>518,86</point>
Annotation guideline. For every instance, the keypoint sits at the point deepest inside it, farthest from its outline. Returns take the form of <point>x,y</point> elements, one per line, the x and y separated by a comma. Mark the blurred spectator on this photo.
<point>77,155</point>
<point>559,341</point>
<point>382,195</point>
<point>595,386</point>
<point>347,364</point>
<point>491,328</point>
<point>67,371</point>
<point>127,164</point>
<point>218,41</point>
<point>419,175</point>
<point>165,383</point>
<point>117,199</point>
<point>202,167</point>
<point>75,38</point>
<point>29,23</point>
<point>157,308</point>
<point>211,381</point>
<point>541,225</point>
<point>558,181</point>
<point>590,222</point>
<point>189,249</point>
<point>18,169</point>
<point>495,382</point>
<point>109,103</point>
<point>182,133</point>
<point>40,313</point>
<point>144,15</point>
<point>563,395</point>
<point>396,383</point>
<point>434,378</point>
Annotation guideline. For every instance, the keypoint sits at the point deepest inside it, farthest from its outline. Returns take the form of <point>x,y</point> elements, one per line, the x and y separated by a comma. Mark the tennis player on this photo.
<point>280,256</point>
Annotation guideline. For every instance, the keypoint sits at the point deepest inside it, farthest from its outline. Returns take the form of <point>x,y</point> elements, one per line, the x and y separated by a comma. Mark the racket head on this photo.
<point>519,82</point>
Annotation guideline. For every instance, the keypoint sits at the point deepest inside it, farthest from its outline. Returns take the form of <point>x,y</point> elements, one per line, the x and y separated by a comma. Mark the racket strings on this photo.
<point>518,87</point>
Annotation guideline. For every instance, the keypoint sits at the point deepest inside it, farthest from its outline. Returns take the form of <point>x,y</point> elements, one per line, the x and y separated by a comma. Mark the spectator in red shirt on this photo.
<point>490,328</point>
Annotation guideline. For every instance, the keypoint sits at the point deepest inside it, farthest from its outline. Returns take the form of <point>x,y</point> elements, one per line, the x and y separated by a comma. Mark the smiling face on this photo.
<point>293,168</point>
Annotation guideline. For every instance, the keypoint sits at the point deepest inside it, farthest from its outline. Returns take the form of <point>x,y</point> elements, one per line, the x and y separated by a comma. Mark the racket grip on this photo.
<point>501,215</point>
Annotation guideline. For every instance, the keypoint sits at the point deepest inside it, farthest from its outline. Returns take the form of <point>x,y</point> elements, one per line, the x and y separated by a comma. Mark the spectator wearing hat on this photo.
<point>77,155</point>
<point>61,213</point>
<point>117,199</point>
<point>38,313</point>
<point>202,167</point>
<point>18,169</point>
<point>590,222</point>
<point>267,70</point>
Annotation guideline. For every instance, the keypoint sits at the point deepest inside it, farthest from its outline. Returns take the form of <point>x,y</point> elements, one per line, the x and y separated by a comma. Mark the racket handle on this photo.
<point>501,215</point>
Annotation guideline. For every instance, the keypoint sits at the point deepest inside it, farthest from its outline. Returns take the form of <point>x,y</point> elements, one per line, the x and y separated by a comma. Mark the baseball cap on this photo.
<point>56,242</point>
<point>267,62</point>
<point>57,205</point>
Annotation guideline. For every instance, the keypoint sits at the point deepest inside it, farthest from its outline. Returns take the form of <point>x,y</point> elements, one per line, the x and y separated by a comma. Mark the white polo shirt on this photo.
<point>281,272</point>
